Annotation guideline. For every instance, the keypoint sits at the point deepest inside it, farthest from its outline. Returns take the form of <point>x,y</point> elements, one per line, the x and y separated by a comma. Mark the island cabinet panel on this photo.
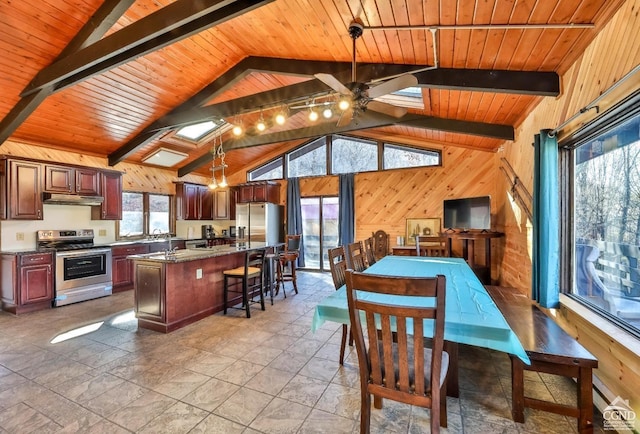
<point>150,293</point>
<point>184,297</point>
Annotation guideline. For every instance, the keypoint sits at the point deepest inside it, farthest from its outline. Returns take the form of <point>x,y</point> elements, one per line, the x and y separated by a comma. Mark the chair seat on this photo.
<point>239,271</point>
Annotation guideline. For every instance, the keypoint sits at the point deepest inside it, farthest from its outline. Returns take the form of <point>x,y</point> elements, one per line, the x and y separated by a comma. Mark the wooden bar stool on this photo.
<point>250,279</point>
<point>286,271</point>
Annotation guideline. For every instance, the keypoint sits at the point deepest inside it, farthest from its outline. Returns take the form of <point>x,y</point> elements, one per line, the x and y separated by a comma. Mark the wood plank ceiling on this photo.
<point>113,77</point>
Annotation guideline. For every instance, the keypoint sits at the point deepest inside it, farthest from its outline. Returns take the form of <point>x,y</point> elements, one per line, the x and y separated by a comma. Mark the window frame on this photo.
<point>329,148</point>
<point>622,112</point>
<point>146,215</point>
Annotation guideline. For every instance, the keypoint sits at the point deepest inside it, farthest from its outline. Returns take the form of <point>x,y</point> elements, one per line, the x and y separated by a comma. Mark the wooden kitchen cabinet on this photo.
<point>265,191</point>
<point>122,268</point>
<point>71,180</point>
<point>111,188</point>
<point>27,282</point>
<point>194,202</point>
<point>20,190</point>
<point>224,205</point>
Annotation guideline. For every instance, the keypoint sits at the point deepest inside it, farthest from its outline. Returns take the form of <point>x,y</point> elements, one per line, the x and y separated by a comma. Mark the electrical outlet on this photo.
<point>20,236</point>
<point>199,273</point>
<point>102,232</point>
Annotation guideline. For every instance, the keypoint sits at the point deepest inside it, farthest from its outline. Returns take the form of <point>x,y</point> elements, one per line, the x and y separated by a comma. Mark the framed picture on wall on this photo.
<point>422,226</point>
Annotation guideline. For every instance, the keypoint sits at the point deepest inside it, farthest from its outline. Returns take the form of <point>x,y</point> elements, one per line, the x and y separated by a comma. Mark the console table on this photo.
<point>468,239</point>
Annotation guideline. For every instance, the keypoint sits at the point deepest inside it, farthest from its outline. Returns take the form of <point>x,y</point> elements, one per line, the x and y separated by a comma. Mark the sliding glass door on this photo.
<point>319,230</point>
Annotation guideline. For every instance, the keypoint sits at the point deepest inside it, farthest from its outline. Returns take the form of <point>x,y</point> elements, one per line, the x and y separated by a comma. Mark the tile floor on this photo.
<point>227,374</point>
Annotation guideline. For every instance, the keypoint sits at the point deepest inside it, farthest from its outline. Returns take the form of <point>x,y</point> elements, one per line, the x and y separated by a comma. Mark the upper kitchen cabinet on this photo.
<point>20,189</point>
<point>193,202</point>
<point>264,191</point>
<point>199,202</point>
<point>111,188</point>
<point>75,180</point>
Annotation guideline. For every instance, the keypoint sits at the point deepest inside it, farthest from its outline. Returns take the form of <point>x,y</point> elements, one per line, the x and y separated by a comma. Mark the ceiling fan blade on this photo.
<point>393,85</point>
<point>387,109</point>
<point>345,117</point>
<point>334,83</point>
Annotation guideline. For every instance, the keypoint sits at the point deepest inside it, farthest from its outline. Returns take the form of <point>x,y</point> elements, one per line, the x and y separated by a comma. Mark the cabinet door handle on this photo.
<point>48,269</point>
<point>38,214</point>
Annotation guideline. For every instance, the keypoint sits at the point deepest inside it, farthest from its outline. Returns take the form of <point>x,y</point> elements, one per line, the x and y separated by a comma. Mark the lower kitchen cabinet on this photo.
<point>122,268</point>
<point>27,282</point>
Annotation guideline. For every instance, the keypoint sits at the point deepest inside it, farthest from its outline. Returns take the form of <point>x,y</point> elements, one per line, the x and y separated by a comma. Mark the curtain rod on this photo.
<point>594,104</point>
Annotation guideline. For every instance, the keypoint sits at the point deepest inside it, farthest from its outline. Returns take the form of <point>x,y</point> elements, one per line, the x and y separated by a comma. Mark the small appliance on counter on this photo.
<point>208,232</point>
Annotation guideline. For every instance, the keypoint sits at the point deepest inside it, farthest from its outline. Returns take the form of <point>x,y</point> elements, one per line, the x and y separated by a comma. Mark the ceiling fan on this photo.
<point>361,95</point>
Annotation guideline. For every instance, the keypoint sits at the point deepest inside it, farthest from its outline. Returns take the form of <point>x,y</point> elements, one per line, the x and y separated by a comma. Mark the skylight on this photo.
<point>410,97</point>
<point>197,131</point>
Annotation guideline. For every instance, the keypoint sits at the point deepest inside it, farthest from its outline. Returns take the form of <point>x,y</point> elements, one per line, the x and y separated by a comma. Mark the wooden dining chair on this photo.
<point>338,266</point>
<point>368,250</point>
<point>393,360</point>
<point>380,244</point>
<point>429,245</point>
<point>356,256</point>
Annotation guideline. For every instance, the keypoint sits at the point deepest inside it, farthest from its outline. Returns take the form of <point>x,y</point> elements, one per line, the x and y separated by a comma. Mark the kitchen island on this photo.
<point>173,290</point>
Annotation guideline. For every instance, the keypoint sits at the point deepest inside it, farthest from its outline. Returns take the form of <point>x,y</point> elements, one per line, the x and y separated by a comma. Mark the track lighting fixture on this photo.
<point>237,130</point>
<point>261,126</point>
<point>327,113</point>
<point>313,115</point>
<point>344,103</point>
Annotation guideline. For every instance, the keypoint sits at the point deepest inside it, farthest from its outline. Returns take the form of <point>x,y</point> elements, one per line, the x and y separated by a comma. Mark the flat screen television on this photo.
<point>468,213</point>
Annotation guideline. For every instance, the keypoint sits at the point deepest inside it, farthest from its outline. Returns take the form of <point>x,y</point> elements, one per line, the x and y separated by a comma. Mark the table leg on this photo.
<point>517,389</point>
<point>585,401</point>
<point>453,388</point>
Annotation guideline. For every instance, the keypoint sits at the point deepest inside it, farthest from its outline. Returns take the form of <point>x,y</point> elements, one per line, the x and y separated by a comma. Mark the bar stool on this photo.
<point>287,259</point>
<point>250,278</point>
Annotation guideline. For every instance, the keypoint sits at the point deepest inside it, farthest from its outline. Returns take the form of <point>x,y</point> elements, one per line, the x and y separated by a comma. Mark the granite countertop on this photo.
<point>186,255</point>
<point>144,241</point>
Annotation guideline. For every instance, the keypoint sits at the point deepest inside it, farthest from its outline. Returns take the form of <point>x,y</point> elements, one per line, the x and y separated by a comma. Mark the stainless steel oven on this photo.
<point>82,270</point>
<point>82,275</point>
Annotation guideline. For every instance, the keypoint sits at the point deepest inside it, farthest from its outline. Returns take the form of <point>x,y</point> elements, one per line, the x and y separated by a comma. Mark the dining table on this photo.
<point>471,316</point>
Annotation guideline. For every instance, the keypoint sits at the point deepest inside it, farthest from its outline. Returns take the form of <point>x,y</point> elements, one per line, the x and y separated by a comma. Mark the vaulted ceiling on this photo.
<point>116,77</point>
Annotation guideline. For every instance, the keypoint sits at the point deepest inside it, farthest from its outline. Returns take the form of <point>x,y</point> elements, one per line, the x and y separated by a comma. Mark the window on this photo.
<point>351,156</point>
<point>348,155</point>
<point>308,160</point>
<point>606,216</point>
<point>197,132</point>
<point>144,214</point>
<point>396,156</point>
<point>271,170</point>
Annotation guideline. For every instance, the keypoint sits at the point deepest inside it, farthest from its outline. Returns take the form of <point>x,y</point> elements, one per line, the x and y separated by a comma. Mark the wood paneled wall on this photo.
<point>614,52</point>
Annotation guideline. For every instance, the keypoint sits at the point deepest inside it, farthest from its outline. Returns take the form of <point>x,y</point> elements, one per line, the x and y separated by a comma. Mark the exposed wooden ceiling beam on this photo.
<point>186,112</point>
<point>94,29</point>
<point>369,119</point>
<point>172,23</point>
<point>518,82</point>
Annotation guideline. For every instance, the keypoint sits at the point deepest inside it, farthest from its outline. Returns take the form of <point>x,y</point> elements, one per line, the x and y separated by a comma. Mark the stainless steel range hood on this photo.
<point>71,199</point>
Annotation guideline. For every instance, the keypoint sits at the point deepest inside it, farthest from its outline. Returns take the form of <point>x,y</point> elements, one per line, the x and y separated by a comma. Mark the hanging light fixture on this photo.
<point>327,113</point>
<point>313,115</point>
<point>217,152</point>
<point>237,130</point>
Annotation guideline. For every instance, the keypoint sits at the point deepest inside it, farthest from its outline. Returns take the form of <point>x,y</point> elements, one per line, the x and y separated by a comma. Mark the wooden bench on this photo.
<point>551,350</point>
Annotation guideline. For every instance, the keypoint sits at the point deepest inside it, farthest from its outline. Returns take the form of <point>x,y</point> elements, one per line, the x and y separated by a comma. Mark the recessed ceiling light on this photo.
<point>164,157</point>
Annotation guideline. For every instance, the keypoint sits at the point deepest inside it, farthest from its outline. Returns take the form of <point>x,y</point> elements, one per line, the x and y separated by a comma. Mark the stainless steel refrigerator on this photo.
<point>259,221</point>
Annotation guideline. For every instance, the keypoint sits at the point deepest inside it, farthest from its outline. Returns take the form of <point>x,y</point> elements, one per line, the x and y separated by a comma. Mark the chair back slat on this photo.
<point>395,355</point>
<point>356,256</point>
<point>432,246</point>
<point>338,266</point>
<point>369,252</point>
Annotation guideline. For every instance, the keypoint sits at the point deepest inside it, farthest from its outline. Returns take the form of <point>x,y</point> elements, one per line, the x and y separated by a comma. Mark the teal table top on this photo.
<point>471,316</point>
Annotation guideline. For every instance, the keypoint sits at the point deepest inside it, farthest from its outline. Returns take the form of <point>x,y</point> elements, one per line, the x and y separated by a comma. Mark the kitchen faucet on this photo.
<point>170,251</point>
